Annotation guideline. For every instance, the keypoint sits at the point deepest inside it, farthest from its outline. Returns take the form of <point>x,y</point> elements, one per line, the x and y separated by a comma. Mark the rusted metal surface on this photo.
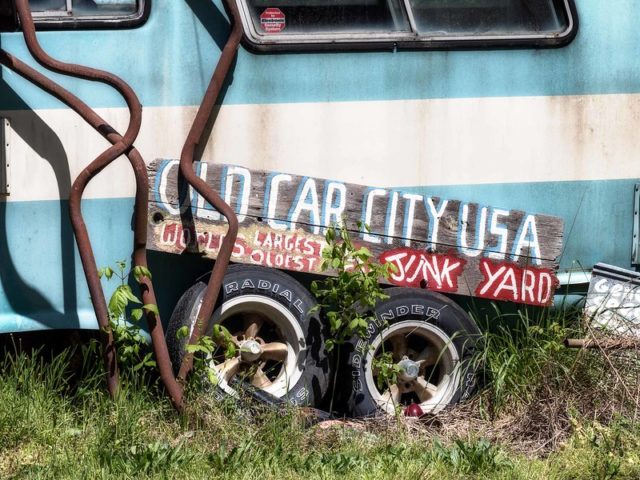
<point>120,145</point>
<point>603,343</point>
<point>194,137</point>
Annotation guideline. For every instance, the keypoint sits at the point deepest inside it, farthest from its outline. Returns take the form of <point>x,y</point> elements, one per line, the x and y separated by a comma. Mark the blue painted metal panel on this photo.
<point>42,284</point>
<point>174,55</point>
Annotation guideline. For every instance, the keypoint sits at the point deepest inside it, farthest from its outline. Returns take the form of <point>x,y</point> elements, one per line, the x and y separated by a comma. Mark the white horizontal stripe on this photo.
<point>387,143</point>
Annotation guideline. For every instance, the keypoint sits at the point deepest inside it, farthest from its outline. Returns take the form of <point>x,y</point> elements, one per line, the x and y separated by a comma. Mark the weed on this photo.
<point>48,430</point>
<point>467,457</point>
<point>131,344</point>
<point>348,298</point>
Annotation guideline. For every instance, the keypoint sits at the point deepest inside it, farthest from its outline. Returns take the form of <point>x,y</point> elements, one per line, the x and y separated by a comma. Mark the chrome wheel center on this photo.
<point>409,370</point>
<point>250,351</point>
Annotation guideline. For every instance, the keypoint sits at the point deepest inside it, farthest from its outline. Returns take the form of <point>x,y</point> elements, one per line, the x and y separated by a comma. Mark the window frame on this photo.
<point>412,40</point>
<point>59,20</point>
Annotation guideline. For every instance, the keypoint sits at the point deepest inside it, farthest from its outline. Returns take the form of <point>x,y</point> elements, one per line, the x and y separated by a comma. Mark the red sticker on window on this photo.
<point>272,20</point>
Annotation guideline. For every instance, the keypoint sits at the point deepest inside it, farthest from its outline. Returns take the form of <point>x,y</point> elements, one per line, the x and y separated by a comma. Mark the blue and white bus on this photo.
<point>490,145</point>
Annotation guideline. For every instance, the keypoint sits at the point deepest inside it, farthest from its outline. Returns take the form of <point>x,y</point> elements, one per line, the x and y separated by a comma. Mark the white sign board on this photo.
<point>613,301</point>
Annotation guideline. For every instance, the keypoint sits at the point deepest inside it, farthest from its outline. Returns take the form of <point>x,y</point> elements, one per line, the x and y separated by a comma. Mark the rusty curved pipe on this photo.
<point>102,127</point>
<point>121,144</point>
<point>186,170</point>
<point>139,168</point>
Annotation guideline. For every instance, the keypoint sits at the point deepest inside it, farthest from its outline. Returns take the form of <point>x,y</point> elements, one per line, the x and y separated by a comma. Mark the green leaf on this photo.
<point>136,314</point>
<point>197,347</point>
<point>182,332</point>
<point>329,344</point>
<point>221,333</point>
<point>127,295</point>
<point>117,303</point>
<point>330,235</point>
<point>152,307</point>
<point>108,272</point>
<point>139,272</point>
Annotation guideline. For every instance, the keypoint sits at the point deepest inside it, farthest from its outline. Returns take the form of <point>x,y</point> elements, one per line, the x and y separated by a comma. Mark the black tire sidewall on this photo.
<point>243,280</point>
<point>250,280</point>
<point>412,304</point>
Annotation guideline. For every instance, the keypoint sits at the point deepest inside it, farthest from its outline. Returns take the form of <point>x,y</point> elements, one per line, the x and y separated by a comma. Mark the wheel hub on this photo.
<point>250,350</point>
<point>409,370</point>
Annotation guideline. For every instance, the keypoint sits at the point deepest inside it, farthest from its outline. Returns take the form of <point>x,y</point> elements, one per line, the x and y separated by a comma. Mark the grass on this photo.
<point>546,412</point>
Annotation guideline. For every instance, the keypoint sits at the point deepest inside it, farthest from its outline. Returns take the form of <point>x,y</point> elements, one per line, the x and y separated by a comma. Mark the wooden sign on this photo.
<point>448,245</point>
<point>613,300</point>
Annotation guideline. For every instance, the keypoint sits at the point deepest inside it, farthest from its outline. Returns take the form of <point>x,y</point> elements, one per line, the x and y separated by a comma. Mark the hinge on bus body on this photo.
<point>5,131</point>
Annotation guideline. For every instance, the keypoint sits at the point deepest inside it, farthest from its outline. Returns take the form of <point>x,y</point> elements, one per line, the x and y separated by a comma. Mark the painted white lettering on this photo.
<point>273,187</point>
<point>307,200</point>
<point>368,213</point>
<point>528,239</point>
<point>508,283</point>
<point>435,214</point>
<point>243,196</point>
<point>480,229</point>
<point>490,277</point>
<point>392,208</point>
<point>162,187</point>
<point>335,201</point>
<point>410,209</point>
<point>500,230</point>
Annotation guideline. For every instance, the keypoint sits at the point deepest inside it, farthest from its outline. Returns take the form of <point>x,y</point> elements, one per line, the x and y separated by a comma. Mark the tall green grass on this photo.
<point>545,412</point>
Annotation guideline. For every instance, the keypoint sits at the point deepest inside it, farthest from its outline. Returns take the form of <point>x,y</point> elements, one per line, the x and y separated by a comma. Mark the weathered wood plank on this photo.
<point>453,246</point>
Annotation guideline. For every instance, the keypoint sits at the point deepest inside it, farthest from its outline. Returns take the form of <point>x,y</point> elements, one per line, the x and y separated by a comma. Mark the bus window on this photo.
<point>322,16</point>
<point>292,24</point>
<point>87,13</point>
<point>488,17</point>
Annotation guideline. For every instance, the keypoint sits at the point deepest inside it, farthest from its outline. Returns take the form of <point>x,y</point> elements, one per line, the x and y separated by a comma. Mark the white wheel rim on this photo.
<point>448,367</point>
<point>284,322</point>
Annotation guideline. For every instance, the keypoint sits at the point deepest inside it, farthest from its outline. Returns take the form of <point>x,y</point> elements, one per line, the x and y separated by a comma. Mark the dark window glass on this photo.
<point>48,5</point>
<point>327,16</point>
<point>110,8</point>
<point>488,17</point>
<point>83,8</point>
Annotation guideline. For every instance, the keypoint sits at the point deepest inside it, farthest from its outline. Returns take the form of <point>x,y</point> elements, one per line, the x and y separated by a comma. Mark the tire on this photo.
<point>434,334</point>
<point>284,309</point>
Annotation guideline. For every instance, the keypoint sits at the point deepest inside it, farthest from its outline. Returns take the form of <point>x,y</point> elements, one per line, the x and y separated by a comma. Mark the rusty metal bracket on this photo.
<point>194,137</point>
<point>120,145</point>
<point>123,144</point>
